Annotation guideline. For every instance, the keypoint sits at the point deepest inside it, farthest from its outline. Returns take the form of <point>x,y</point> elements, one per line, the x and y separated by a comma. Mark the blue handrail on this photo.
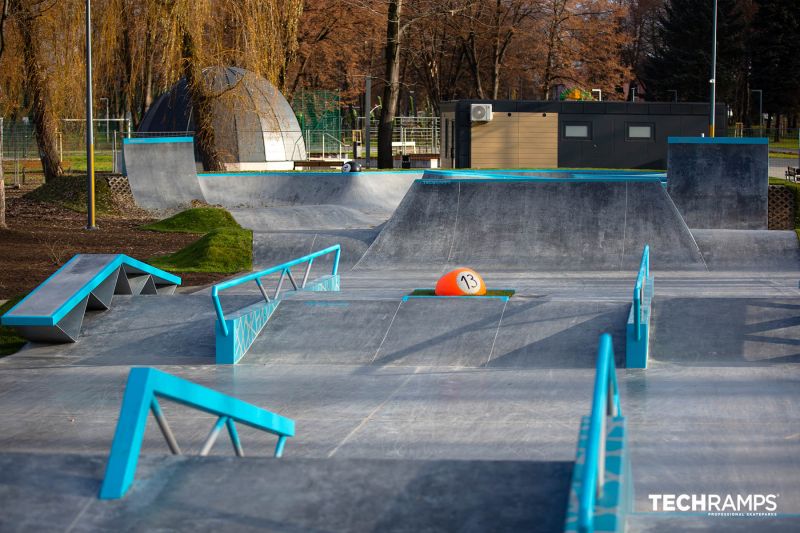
<point>284,269</point>
<point>141,392</point>
<point>605,403</point>
<point>638,290</point>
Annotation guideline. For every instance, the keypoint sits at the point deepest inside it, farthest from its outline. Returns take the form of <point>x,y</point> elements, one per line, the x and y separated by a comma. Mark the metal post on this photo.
<point>367,110</point>
<point>713,81</point>
<point>760,110</point>
<point>164,427</point>
<point>107,122</point>
<point>675,99</point>
<point>212,437</point>
<point>90,212</point>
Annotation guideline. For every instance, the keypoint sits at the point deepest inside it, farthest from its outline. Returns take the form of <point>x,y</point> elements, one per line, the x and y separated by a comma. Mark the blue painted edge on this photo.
<point>409,297</point>
<point>717,140</point>
<point>83,292</point>
<point>156,140</point>
<point>512,171</point>
<point>530,179</point>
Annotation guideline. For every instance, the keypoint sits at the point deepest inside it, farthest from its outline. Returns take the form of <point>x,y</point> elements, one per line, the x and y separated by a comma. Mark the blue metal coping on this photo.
<point>511,171</point>
<point>717,140</point>
<point>256,276</point>
<point>144,384</point>
<point>51,320</point>
<point>156,140</point>
<point>605,402</point>
<point>531,179</point>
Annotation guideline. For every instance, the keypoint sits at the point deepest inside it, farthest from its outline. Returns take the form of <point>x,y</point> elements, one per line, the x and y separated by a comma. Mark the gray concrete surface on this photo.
<point>534,226</point>
<point>274,248</point>
<point>719,186</point>
<point>162,176</point>
<point>287,495</point>
<point>749,250</point>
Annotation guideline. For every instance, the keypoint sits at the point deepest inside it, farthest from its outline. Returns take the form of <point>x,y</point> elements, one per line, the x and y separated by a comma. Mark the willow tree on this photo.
<point>41,40</point>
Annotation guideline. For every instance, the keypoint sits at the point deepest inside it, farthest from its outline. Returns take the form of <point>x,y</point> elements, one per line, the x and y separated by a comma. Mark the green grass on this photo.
<point>223,250</point>
<point>782,155</point>
<point>195,220</point>
<point>10,342</point>
<point>489,292</point>
<point>788,143</point>
<point>76,162</point>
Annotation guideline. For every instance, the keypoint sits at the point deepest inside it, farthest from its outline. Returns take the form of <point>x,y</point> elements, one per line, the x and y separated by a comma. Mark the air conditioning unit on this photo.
<point>480,112</point>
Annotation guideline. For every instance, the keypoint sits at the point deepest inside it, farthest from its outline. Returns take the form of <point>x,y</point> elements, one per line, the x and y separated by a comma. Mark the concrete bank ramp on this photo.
<point>288,494</point>
<point>162,172</point>
<point>455,332</point>
<point>749,250</point>
<point>270,249</point>
<point>535,225</point>
<point>365,191</point>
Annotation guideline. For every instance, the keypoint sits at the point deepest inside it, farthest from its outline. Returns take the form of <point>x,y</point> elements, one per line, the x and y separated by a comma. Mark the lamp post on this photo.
<point>713,79</point>
<point>90,214</point>
<point>760,110</point>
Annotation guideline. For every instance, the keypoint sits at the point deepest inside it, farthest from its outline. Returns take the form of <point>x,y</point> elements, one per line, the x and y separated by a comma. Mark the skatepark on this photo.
<point>657,305</point>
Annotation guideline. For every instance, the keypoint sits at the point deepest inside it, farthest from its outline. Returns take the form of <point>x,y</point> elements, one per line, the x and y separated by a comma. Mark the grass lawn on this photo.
<point>223,250</point>
<point>195,220</point>
<point>10,342</point>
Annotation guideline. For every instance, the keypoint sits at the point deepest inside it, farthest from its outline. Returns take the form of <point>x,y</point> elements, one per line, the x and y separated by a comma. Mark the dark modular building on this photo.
<point>525,134</point>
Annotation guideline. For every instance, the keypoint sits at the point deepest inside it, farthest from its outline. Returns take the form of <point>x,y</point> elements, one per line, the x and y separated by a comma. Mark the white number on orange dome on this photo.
<point>467,282</point>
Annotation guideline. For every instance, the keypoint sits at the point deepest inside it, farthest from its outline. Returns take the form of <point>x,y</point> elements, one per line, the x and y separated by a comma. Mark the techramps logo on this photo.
<point>724,505</point>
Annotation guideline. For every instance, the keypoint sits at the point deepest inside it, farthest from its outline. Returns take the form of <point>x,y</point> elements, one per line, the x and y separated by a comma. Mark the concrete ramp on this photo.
<point>365,191</point>
<point>259,494</point>
<point>271,249</point>
<point>534,225</point>
<point>749,250</point>
<point>453,332</point>
<point>162,172</point>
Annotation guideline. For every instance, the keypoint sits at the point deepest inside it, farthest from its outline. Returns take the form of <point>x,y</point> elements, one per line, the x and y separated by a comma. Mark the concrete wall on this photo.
<point>719,183</point>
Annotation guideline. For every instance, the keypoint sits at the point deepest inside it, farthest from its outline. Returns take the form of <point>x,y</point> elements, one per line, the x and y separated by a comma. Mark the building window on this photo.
<point>639,132</point>
<point>577,130</point>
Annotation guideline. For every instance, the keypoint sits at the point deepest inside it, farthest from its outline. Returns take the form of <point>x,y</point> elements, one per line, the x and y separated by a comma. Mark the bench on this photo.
<point>792,173</point>
<point>53,312</point>
<point>236,332</point>
<point>637,345</point>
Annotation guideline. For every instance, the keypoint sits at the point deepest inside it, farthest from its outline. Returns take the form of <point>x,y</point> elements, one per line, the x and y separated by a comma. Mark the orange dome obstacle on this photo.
<point>461,282</point>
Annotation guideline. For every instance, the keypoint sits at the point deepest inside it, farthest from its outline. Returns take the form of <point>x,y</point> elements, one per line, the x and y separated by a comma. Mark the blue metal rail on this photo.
<point>639,290</point>
<point>144,385</point>
<point>284,269</point>
<point>604,404</point>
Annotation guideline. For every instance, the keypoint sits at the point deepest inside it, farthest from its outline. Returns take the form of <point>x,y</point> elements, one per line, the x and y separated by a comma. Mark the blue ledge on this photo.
<point>157,140</point>
<point>579,178</point>
<point>717,140</point>
<point>50,295</point>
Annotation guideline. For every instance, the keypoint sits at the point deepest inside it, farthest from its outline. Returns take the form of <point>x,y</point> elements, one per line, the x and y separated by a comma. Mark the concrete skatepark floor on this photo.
<point>409,413</point>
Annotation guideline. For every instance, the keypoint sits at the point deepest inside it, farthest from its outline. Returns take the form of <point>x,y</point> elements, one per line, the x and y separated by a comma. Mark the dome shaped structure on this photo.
<point>255,128</point>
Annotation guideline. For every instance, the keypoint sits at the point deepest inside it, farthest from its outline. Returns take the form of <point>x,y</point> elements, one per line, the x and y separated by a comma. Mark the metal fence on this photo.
<point>410,135</point>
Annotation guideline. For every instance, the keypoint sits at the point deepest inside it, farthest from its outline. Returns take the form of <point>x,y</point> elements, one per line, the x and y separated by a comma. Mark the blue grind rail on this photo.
<point>601,488</point>
<point>637,342</point>
<point>141,392</point>
<point>236,333</point>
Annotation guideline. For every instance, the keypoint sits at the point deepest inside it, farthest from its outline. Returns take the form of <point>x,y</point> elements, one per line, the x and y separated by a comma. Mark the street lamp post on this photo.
<point>713,80</point>
<point>90,214</point>
<point>760,110</point>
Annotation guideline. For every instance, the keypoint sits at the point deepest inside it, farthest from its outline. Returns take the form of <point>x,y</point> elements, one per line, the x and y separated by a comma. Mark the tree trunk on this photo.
<point>44,119</point>
<point>392,88</point>
<point>3,17</point>
<point>202,107</point>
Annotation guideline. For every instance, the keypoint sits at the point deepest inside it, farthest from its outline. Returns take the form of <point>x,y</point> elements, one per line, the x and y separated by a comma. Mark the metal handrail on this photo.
<point>639,288</point>
<point>141,392</point>
<point>604,404</point>
<point>284,269</point>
